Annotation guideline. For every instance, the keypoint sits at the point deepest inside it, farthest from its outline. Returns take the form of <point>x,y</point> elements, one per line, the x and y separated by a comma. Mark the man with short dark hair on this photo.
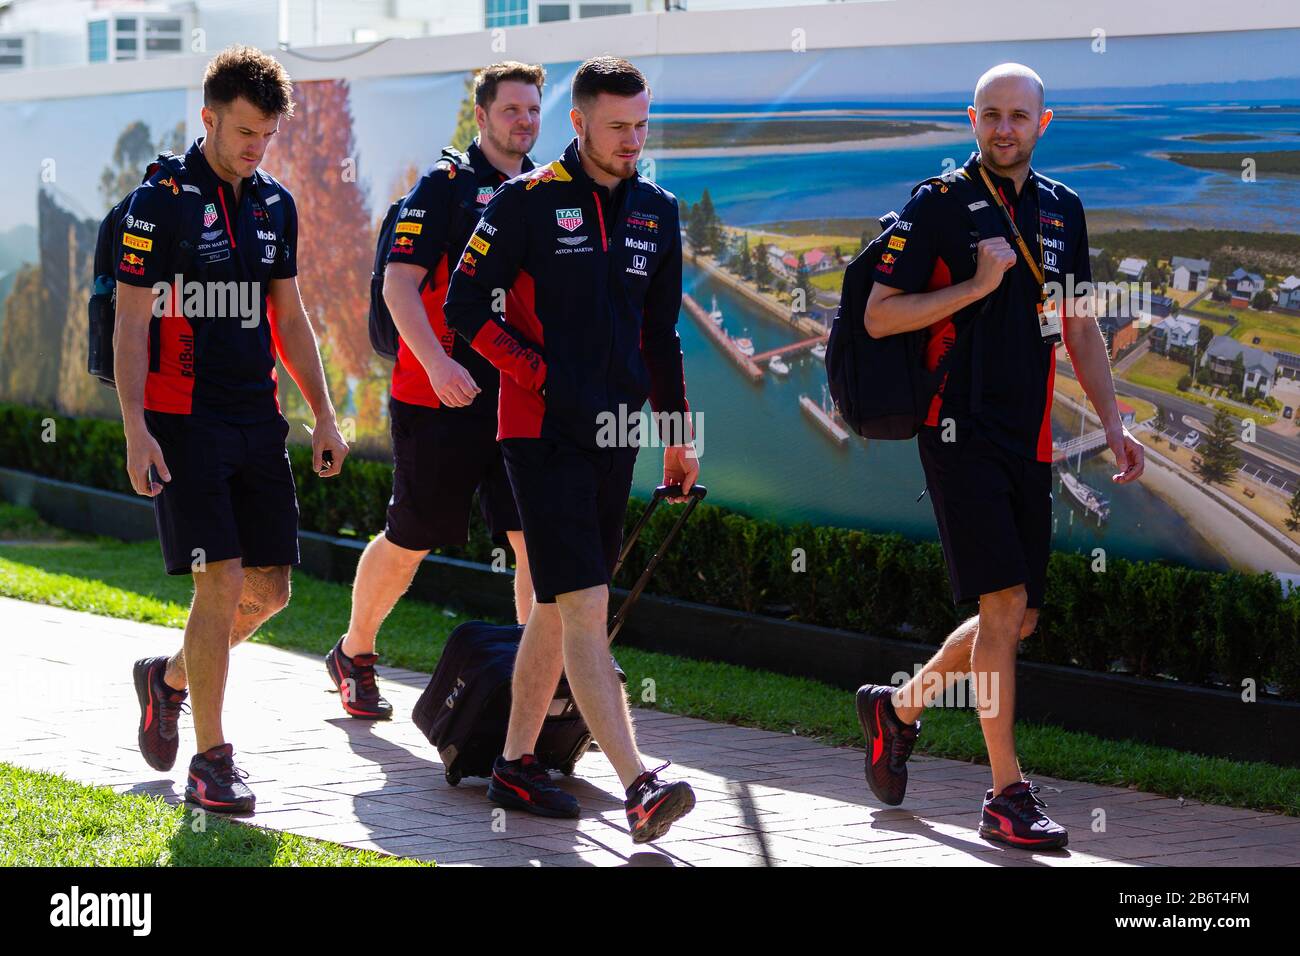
<point>197,385</point>
<point>987,446</point>
<point>586,256</point>
<point>443,402</point>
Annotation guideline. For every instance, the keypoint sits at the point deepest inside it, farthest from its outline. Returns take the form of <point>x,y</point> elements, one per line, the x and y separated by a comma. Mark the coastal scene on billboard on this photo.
<point>1185,151</point>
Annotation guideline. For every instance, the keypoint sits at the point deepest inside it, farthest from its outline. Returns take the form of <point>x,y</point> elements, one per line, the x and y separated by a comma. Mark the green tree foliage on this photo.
<point>466,125</point>
<point>1219,455</point>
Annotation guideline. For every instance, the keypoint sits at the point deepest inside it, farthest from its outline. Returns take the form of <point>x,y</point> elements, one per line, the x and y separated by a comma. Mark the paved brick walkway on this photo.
<point>764,798</point>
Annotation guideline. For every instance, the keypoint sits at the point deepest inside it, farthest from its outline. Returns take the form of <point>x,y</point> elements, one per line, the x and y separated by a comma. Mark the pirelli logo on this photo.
<point>414,228</point>
<point>479,245</point>
<point>136,242</point>
<point>896,243</point>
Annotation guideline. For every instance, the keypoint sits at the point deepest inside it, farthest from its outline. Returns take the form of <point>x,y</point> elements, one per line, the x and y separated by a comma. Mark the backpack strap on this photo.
<point>988,225</point>
<point>464,186</point>
<point>269,196</point>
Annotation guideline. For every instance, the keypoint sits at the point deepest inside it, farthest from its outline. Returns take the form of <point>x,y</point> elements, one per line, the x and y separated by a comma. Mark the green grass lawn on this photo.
<point>1156,371</point>
<point>48,820</point>
<point>830,281</point>
<point>126,580</point>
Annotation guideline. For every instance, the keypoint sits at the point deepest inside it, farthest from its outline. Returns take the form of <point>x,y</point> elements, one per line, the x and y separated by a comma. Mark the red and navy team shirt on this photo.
<point>431,234</point>
<point>205,358</point>
<point>593,282</point>
<point>934,246</point>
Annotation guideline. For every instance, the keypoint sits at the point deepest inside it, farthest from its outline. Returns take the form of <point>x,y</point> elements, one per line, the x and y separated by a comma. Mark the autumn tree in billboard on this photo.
<point>315,156</point>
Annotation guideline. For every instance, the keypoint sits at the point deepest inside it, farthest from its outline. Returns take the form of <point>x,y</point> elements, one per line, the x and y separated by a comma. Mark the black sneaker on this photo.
<point>889,743</point>
<point>216,784</point>
<point>653,807</point>
<point>1015,817</point>
<point>355,683</point>
<point>524,784</point>
<point>160,709</point>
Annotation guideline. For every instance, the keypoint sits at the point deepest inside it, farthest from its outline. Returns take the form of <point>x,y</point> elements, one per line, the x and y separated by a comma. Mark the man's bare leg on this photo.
<point>384,573</point>
<point>523,577</point>
<point>538,666</point>
<point>207,645</point>
<point>1002,614</point>
<point>952,660</point>
<point>596,688</point>
<point>263,594</point>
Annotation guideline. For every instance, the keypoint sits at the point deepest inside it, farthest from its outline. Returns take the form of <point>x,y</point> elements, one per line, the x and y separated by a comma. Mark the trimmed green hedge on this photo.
<point>1151,620</point>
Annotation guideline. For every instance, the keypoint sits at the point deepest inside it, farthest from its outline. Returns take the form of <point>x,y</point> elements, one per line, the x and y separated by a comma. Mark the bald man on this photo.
<point>986,447</point>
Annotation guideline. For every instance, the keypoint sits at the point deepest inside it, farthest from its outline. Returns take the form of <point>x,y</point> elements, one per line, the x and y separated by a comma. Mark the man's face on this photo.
<point>612,131</point>
<point>238,134</point>
<point>513,120</point>
<point>1008,120</point>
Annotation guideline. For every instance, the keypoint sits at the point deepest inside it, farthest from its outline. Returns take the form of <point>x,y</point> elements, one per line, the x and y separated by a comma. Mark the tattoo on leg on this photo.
<point>258,601</point>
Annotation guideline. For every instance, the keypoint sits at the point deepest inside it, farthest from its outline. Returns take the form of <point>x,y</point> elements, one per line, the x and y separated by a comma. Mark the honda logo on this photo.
<point>638,262</point>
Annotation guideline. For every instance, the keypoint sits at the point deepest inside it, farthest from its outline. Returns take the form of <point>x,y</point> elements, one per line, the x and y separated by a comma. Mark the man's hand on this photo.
<point>142,453</point>
<point>993,257</point>
<point>325,438</point>
<point>1129,455</point>
<point>454,386</point>
<point>681,467</point>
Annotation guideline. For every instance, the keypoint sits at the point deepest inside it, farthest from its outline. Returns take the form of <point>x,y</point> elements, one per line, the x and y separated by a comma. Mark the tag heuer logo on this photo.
<point>209,215</point>
<point>485,195</point>
<point>568,219</point>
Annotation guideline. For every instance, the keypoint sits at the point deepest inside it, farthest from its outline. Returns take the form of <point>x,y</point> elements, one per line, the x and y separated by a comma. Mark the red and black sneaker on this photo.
<point>1015,817</point>
<point>889,743</point>
<point>524,784</point>
<point>216,784</point>
<point>161,707</point>
<point>653,806</point>
<point>354,678</point>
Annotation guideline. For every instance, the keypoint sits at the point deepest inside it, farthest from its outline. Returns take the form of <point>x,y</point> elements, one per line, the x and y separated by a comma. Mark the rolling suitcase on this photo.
<point>466,707</point>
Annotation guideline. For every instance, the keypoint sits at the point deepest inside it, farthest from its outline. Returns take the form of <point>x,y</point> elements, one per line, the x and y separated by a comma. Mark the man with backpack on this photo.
<point>971,260</point>
<point>197,386</point>
<point>589,258</point>
<point>443,401</point>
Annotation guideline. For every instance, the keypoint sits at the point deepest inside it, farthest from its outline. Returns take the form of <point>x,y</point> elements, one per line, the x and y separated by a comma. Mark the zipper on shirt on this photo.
<point>600,214</point>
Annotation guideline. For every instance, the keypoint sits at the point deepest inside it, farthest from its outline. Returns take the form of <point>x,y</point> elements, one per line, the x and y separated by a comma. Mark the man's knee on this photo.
<point>584,609</point>
<point>1003,611</point>
<point>219,579</point>
<point>266,590</point>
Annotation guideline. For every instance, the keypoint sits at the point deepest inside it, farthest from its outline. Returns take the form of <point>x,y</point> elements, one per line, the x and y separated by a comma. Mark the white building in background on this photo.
<point>36,34</point>
<point>1190,275</point>
<point>1131,268</point>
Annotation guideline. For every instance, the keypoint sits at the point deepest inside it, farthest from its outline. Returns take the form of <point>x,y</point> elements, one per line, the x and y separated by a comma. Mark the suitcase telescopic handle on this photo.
<point>696,495</point>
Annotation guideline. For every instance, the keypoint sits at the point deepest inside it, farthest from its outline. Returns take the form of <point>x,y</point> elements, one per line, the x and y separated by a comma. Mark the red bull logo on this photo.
<point>169,181</point>
<point>132,264</point>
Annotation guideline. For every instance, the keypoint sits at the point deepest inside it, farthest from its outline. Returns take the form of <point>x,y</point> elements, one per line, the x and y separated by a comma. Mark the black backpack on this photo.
<point>102,310</point>
<point>383,331</point>
<point>881,385</point>
<point>102,307</point>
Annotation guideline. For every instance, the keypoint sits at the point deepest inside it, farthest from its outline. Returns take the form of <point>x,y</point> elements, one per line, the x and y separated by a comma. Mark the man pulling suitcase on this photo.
<point>588,256</point>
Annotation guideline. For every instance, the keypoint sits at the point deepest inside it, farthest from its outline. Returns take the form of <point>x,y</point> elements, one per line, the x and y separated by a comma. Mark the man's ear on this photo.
<point>970,112</point>
<point>577,119</point>
<point>1043,121</point>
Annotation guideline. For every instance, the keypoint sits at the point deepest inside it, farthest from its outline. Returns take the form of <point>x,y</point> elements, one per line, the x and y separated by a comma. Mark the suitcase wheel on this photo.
<point>453,777</point>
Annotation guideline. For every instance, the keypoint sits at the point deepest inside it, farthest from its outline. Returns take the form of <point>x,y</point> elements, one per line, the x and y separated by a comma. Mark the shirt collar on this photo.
<point>1008,186</point>
<point>478,159</point>
<point>573,162</point>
